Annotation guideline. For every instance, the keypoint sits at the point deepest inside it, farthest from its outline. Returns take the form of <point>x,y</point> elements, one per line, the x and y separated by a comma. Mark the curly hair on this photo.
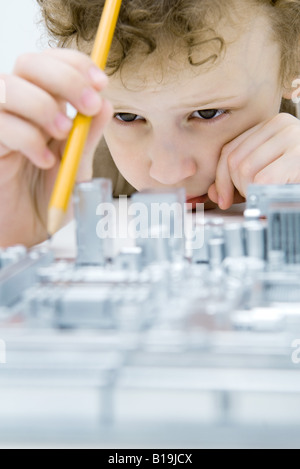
<point>143,23</point>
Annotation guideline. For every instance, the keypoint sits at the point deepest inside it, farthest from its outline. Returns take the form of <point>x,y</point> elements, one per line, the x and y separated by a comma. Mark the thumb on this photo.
<point>213,194</point>
<point>214,197</point>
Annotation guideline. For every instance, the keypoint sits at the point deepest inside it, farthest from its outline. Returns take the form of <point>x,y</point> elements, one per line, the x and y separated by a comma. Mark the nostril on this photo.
<point>171,175</point>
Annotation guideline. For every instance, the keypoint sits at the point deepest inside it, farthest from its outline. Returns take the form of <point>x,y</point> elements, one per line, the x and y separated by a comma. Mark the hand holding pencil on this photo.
<point>71,159</point>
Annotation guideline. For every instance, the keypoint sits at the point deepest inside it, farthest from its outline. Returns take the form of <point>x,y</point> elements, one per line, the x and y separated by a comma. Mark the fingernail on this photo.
<point>49,158</point>
<point>221,202</point>
<point>63,123</point>
<point>90,99</point>
<point>97,76</point>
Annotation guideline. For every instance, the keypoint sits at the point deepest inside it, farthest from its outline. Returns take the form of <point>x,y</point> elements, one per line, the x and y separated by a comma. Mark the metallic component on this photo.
<point>276,261</point>
<point>234,240</point>
<point>158,247</point>
<point>16,278</point>
<point>201,255</point>
<point>130,259</point>
<point>149,322</point>
<point>217,227</point>
<point>259,320</point>
<point>276,287</point>
<point>281,206</point>
<point>162,224</point>
<point>216,249</point>
<point>283,233</point>
<point>12,255</point>
<point>94,245</point>
<point>255,238</point>
<point>260,197</point>
<point>85,307</point>
<point>252,212</point>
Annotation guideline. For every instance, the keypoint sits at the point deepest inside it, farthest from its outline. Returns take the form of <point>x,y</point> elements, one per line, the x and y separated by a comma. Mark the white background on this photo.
<point>19,31</point>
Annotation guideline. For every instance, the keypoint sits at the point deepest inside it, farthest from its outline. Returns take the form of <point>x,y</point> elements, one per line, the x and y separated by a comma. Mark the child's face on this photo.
<point>171,133</point>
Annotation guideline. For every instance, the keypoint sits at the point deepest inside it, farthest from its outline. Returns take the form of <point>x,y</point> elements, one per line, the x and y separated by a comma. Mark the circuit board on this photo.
<point>166,311</point>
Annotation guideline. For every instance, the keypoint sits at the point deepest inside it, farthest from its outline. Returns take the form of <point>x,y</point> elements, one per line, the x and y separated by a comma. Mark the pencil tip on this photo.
<point>55,220</point>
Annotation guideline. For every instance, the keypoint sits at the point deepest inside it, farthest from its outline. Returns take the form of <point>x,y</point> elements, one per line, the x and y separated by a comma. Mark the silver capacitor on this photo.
<point>163,235</point>
<point>256,239</point>
<point>85,307</point>
<point>216,244</point>
<point>217,225</point>
<point>297,241</point>
<point>252,212</point>
<point>234,240</point>
<point>130,259</point>
<point>276,261</point>
<point>216,249</point>
<point>92,247</point>
<point>156,248</point>
<point>201,255</point>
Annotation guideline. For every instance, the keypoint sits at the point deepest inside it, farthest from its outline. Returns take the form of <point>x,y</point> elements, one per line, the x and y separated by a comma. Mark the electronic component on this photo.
<point>92,245</point>
<point>16,277</point>
<point>249,251</point>
<point>281,206</point>
<point>218,319</point>
<point>161,234</point>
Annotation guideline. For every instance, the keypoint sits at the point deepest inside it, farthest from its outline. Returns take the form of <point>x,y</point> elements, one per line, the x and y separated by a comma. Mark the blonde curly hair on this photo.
<point>142,23</point>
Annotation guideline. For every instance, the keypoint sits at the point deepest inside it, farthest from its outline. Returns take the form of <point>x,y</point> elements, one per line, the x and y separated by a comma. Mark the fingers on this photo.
<point>82,63</point>
<point>225,193</point>
<point>19,135</point>
<point>36,95</point>
<point>281,171</point>
<point>59,77</point>
<point>224,188</point>
<point>251,158</point>
<point>266,145</point>
<point>213,193</point>
<point>3,150</point>
<point>262,157</point>
<point>29,102</point>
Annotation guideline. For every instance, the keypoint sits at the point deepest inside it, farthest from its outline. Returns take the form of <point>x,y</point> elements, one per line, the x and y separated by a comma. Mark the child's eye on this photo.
<point>127,117</point>
<point>209,114</point>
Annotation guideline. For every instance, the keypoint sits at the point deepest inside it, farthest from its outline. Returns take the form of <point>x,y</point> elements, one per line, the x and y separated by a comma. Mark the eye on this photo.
<point>209,114</point>
<point>127,117</point>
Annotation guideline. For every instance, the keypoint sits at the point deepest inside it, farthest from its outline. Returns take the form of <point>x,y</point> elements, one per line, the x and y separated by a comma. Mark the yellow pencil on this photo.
<point>75,145</point>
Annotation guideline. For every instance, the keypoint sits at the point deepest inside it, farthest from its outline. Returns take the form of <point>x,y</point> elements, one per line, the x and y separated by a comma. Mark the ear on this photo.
<point>287,94</point>
<point>293,92</point>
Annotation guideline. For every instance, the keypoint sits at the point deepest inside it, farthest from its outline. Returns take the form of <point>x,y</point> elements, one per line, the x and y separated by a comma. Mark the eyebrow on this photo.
<point>191,105</point>
<point>209,102</point>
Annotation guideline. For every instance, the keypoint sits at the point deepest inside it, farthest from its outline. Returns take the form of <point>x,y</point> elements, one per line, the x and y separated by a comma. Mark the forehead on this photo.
<point>251,57</point>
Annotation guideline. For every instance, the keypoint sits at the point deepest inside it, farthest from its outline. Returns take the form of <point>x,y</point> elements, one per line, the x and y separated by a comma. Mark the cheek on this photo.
<point>207,157</point>
<point>129,160</point>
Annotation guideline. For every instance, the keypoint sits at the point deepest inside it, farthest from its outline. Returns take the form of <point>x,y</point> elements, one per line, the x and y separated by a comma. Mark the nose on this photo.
<point>170,164</point>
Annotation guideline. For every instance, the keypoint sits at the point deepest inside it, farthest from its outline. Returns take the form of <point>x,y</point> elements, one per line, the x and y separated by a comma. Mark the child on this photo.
<point>195,89</point>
